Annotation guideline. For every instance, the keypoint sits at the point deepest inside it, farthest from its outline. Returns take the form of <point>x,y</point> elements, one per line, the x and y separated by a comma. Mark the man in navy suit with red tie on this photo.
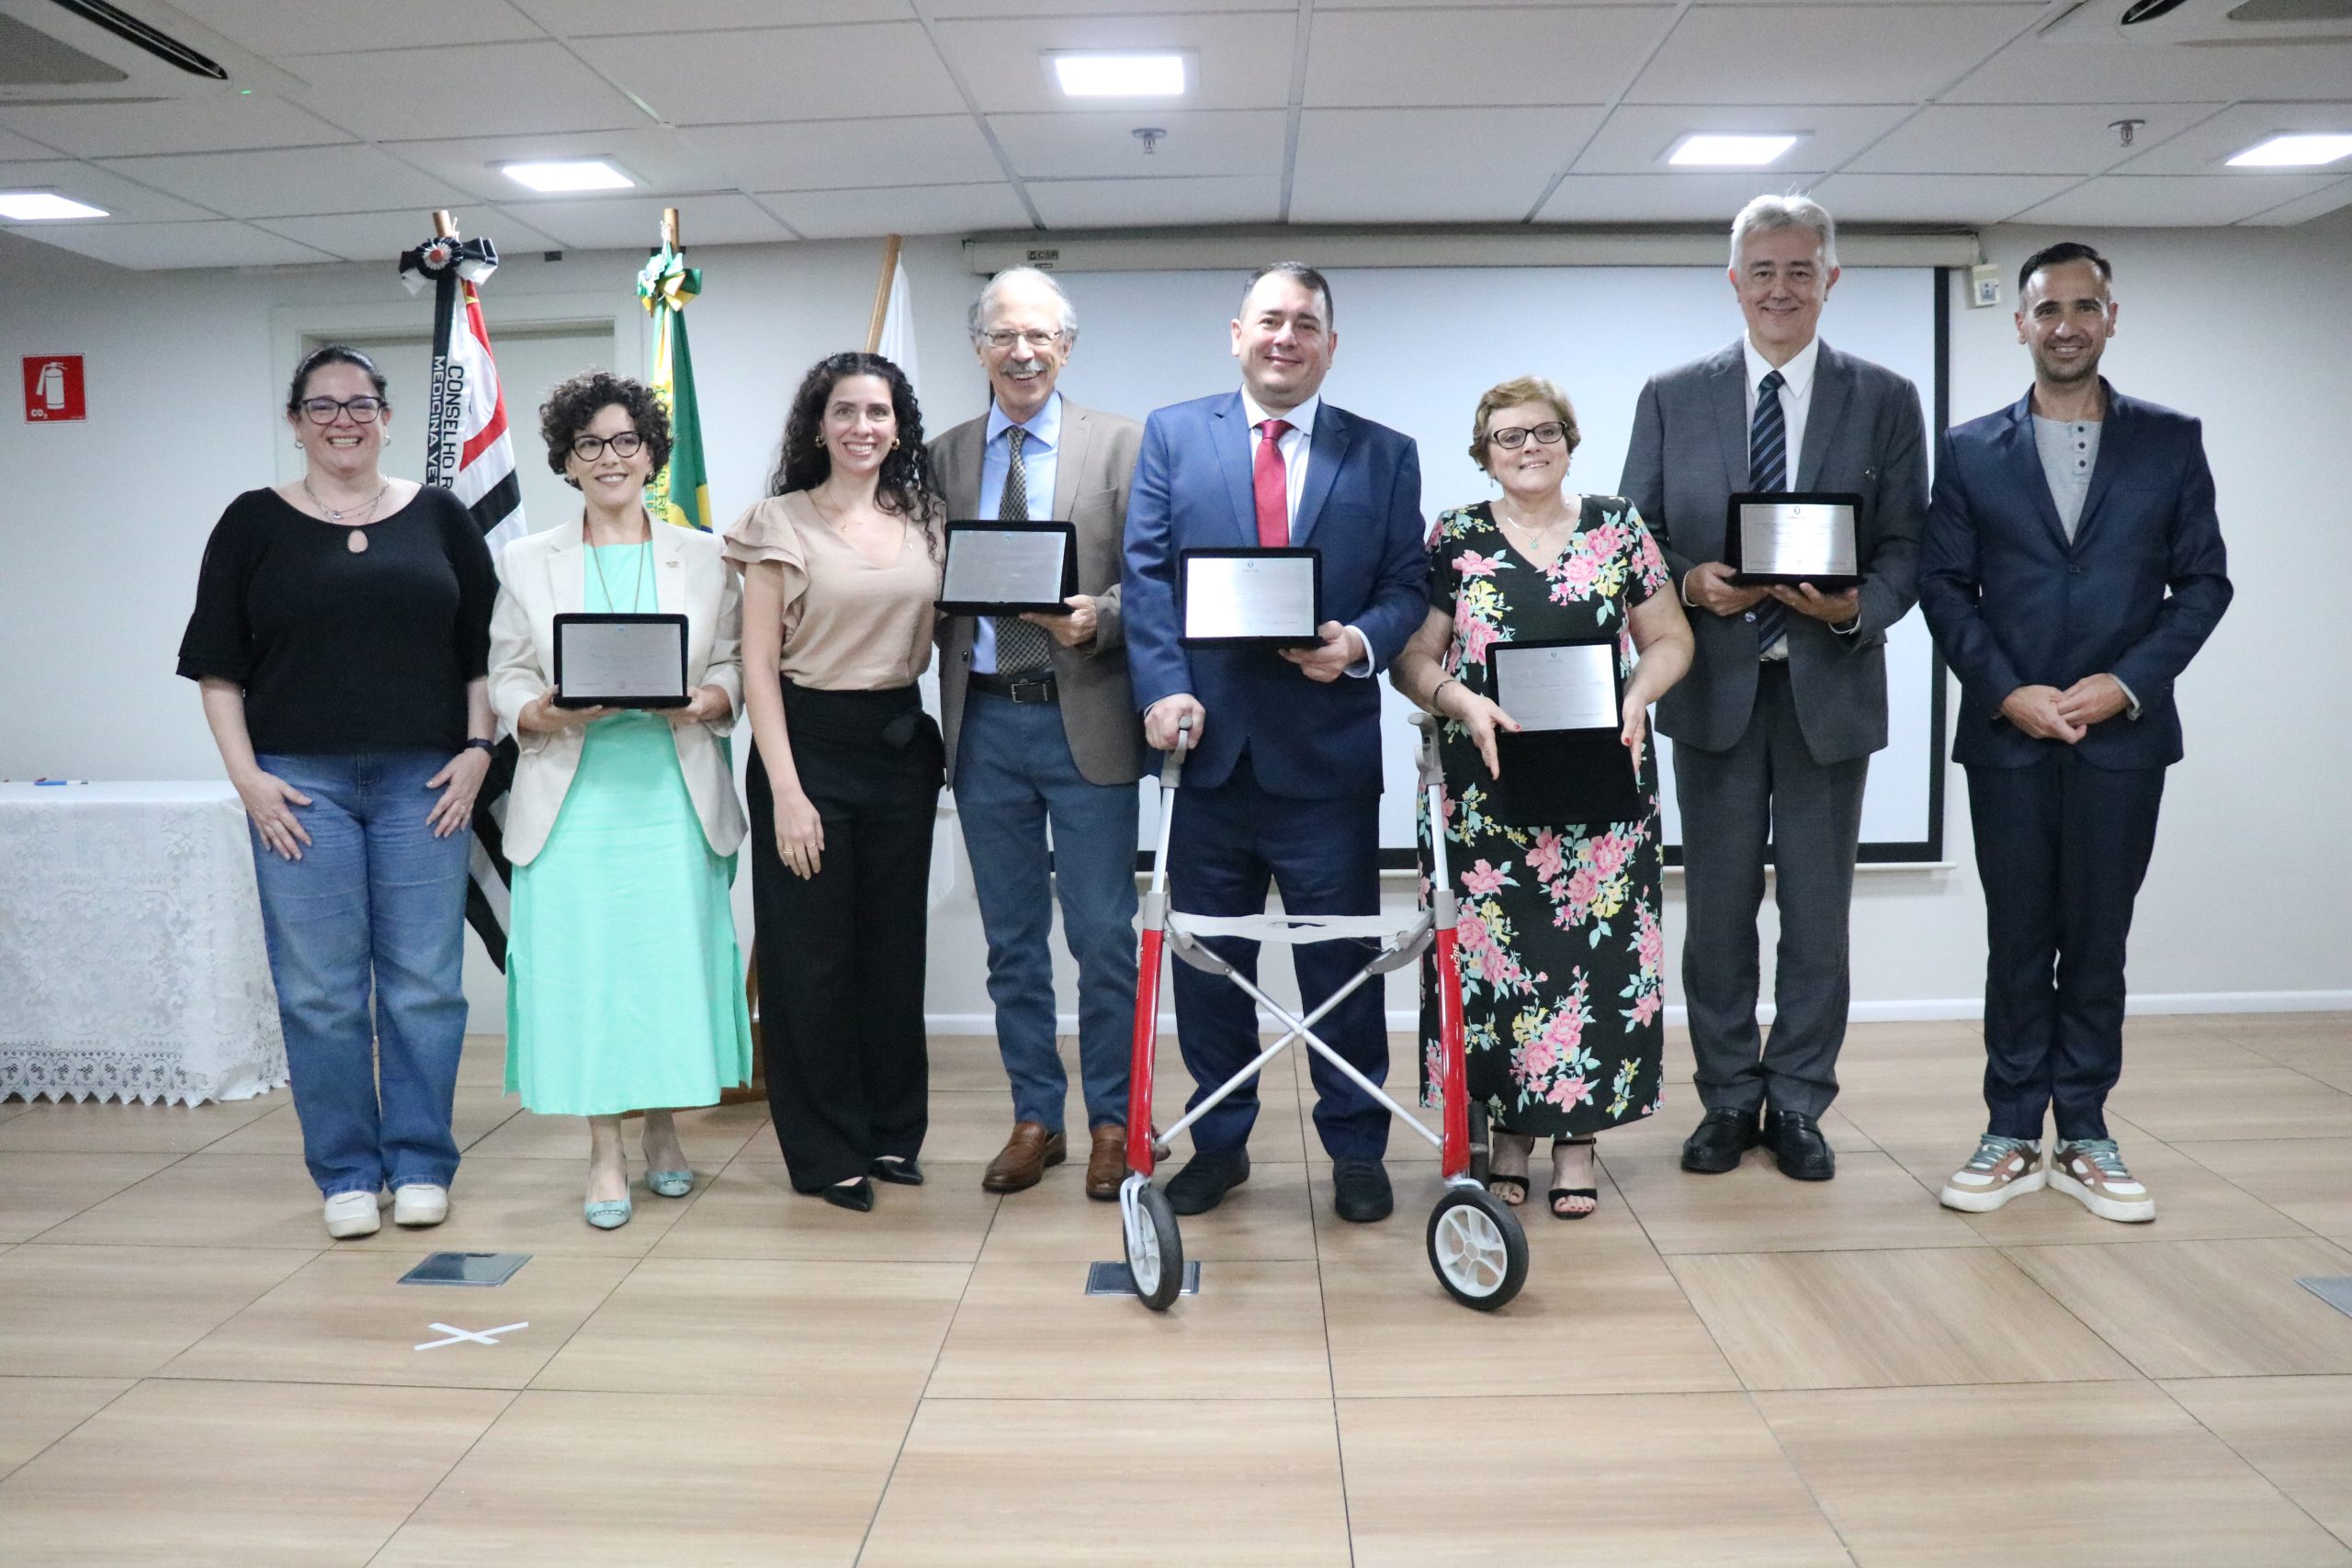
<point>2074,567</point>
<point>1283,780</point>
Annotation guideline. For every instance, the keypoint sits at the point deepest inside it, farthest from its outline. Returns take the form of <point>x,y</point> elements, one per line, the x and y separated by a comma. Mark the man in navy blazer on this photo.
<point>2074,566</point>
<point>1283,779</point>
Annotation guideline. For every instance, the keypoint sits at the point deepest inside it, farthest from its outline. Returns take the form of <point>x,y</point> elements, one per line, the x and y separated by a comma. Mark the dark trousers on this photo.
<point>841,954</point>
<point>2062,848</point>
<point>1225,844</point>
<point>1767,796</point>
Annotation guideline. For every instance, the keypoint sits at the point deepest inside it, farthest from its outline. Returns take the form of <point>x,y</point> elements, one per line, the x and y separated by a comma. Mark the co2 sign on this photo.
<point>53,387</point>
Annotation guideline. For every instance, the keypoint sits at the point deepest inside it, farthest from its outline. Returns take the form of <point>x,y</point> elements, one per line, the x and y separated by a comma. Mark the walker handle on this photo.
<point>1171,772</point>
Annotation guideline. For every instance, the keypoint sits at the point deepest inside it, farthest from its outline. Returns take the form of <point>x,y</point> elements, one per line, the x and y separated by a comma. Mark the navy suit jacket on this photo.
<point>1361,508</point>
<point>2135,594</point>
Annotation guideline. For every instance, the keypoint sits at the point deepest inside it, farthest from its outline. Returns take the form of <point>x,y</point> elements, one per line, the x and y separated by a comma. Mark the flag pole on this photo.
<point>670,241</point>
<point>882,293</point>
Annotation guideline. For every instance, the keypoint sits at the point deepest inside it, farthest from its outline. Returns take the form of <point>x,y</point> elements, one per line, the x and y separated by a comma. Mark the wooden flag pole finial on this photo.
<point>444,227</point>
<point>670,240</point>
<point>882,293</point>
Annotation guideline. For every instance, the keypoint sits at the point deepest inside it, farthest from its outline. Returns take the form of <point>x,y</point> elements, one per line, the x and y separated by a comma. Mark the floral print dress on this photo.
<point>1560,949</point>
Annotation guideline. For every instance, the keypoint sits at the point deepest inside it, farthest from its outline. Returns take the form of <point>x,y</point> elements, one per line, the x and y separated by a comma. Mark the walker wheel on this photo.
<point>1155,1249</point>
<point>1478,1248</point>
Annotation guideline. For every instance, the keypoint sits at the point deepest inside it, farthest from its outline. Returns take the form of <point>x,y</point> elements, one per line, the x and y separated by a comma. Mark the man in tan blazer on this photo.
<point>1041,728</point>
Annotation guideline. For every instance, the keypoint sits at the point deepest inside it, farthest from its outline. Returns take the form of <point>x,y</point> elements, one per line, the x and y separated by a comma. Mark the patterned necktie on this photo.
<point>1271,479</point>
<point>1022,647</point>
<point>1767,469</point>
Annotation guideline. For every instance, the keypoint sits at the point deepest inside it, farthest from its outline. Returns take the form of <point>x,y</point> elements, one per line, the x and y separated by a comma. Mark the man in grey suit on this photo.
<point>1041,728</point>
<point>1786,700</point>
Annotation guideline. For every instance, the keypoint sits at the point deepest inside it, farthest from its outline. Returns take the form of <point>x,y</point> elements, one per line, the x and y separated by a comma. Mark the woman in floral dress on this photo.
<point>1561,953</point>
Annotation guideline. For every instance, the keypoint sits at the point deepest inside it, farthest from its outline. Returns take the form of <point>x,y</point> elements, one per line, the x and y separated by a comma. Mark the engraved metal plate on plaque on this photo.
<point>483,1268</point>
<point>1112,1279</point>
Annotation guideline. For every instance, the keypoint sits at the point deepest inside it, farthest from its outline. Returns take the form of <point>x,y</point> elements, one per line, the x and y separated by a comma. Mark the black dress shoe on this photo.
<point>1722,1137</point>
<point>1360,1191</point>
<point>1798,1147</point>
<point>1207,1178</point>
<point>857,1195</point>
<point>897,1172</point>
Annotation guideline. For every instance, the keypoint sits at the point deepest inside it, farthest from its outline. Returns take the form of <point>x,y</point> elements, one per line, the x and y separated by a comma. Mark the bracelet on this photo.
<point>476,743</point>
<point>1442,685</point>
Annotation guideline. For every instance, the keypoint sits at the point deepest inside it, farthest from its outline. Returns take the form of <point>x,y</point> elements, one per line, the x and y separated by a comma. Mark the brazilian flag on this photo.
<point>682,493</point>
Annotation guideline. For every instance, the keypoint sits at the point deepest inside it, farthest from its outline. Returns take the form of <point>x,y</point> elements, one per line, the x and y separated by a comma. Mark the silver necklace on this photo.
<point>356,541</point>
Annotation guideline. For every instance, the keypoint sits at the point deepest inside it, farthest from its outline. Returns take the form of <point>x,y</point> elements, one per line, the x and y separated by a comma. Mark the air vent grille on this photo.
<point>29,58</point>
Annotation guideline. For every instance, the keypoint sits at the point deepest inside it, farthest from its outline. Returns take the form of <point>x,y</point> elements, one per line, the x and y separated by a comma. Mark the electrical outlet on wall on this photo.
<point>1984,286</point>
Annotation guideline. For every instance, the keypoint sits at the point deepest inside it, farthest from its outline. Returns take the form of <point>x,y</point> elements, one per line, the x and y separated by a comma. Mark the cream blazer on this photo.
<point>539,578</point>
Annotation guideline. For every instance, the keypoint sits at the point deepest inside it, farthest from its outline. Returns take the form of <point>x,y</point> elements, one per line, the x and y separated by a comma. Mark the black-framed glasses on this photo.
<point>1511,437</point>
<point>1036,337</point>
<point>588,448</point>
<point>363,411</point>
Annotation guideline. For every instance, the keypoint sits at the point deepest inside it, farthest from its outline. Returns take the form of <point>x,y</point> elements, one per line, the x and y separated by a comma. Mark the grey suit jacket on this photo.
<point>1092,470</point>
<point>1688,453</point>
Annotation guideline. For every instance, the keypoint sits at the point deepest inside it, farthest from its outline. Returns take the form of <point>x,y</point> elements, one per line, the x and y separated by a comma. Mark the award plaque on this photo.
<point>621,661</point>
<point>1558,685</point>
<point>1566,764</point>
<point>1245,598</point>
<point>1792,536</point>
<point>1003,568</point>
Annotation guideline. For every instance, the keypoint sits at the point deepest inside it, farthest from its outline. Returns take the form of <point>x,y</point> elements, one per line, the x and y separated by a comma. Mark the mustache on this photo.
<point>1024,367</point>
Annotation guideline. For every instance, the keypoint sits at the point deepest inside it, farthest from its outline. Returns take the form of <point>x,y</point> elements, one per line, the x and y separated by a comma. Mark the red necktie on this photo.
<point>1271,479</point>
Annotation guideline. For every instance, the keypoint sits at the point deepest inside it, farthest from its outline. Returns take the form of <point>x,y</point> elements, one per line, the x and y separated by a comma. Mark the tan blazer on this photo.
<point>1092,472</point>
<point>539,578</point>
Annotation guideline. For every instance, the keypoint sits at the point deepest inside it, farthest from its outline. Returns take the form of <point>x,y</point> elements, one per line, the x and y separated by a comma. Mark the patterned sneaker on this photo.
<point>2090,1169</point>
<point>2000,1169</point>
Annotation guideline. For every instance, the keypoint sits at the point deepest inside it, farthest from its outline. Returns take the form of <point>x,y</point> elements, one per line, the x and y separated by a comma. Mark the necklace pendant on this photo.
<point>355,542</point>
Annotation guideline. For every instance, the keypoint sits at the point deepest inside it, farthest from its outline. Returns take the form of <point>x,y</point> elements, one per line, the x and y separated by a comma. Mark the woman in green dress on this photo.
<point>1561,950</point>
<point>624,983</point>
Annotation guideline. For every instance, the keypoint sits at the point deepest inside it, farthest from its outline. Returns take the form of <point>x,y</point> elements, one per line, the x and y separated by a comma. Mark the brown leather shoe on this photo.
<point>1106,1165</point>
<point>1022,1162</point>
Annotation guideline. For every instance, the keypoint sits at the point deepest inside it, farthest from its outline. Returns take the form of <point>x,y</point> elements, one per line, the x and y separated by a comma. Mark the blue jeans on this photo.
<point>1014,775</point>
<point>374,896</point>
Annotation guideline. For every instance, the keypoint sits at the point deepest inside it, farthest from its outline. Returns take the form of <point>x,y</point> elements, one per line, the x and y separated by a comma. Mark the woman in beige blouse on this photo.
<point>841,573</point>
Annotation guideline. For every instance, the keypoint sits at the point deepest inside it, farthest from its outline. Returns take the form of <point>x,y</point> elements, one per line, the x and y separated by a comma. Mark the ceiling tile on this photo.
<point>216,242</point>
<point>1243,61</point>
<point>490,89</point>
<point>1655,198</point>
<point>206,122</point>
<point>587,18</point>
<point>2076,65</point>
<point>1935,198</point>
<point>1429,166</point>
<point>898,210</point>
<point>1637,137</point>
<point>284,28</point>
<point>290,181</point>
<point>804,74</point>
<point>1103,144</point>
<point>826,155</point>
<point>382,236</point>
<point>15,149</point>
<point>1446,58</point>
<point>1124,204</point>
<point>2304,210</point>
<point>659,160</point>
<point>1823,55</point>
<point>2205,149</point>
<point>127,200</point>
<point>634,222</point>
<point>966,8</point>
<point>2023,139</point>
<point>2168,202</point>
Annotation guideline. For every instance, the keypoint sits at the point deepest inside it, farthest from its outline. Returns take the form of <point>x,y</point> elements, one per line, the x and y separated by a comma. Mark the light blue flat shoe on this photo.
<point>670,1183</point>
<point>609,1216</point>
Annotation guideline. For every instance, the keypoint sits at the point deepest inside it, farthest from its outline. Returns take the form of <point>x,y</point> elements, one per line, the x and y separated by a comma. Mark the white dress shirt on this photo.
<point>1296,445</point>
<point>1796,407</point>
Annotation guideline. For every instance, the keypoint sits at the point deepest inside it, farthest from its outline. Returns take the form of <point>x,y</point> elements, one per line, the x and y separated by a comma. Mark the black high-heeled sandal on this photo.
<point>1524,1180</point>
<point>1555,1194</point>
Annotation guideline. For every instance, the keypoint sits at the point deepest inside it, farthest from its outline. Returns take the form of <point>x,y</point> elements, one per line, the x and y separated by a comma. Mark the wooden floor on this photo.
<point>1733,1369</point>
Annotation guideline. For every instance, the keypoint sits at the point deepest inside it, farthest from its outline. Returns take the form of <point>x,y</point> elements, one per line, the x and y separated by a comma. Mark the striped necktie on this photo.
<point>1022,647</point>
<point>1767,469</point>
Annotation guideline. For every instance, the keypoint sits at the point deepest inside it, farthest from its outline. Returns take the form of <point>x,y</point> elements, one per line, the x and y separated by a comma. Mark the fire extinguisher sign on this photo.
<point>53,387</point>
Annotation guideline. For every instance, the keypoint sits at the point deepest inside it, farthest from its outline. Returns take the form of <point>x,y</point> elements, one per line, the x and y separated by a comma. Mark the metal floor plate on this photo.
<point>2336,1291</point>
<point>1112,1279</point>
<point>466,1268</point>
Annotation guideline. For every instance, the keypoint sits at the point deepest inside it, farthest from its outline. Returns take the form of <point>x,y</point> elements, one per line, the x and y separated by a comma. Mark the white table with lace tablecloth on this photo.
<point>131,960</point>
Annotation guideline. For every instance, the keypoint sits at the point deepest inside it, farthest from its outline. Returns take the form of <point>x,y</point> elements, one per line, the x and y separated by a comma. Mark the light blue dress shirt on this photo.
<point>1040,454</point>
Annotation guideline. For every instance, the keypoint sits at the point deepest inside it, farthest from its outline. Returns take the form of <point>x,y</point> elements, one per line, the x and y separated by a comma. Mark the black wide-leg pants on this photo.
<point>841,954</point>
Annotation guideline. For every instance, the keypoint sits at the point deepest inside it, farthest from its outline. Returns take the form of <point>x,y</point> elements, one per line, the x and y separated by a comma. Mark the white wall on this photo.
<point>102,524</point>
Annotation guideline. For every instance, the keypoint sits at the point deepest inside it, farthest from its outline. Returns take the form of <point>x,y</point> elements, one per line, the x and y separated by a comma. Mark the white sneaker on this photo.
<point>2090,1171</point>
<point>2000,1169</point>
<point>352,1214</point>
<point>419,1204</point>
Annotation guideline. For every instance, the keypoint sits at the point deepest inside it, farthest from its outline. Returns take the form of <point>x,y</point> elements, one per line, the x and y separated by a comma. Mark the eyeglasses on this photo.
<point>363,411</point>
<point>1511,437</point>
<point>588,448</point>
<point>1035,338</point>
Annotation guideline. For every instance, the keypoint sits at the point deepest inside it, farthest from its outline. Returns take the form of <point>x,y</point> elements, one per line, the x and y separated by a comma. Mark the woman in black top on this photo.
<point>341,637</point>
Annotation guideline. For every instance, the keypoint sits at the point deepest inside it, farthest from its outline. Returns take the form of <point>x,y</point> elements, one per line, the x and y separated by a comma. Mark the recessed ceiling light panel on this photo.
<point>37,205</point>
<point>1718,150</point>
<point>566,175</point>
<point>1132,74</point>
<point>2299,150</point>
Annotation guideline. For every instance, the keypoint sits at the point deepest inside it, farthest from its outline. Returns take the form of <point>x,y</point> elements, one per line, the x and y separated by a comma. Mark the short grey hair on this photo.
<point>1030,275</point>
<point>1773,214</point>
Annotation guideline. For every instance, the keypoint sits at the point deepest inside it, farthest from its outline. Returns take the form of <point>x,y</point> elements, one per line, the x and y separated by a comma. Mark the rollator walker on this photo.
<point>1475,1244</point>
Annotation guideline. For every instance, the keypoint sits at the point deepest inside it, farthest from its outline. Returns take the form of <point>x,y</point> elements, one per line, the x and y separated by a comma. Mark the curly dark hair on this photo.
<point>907,485</point>
<point>574,406</point>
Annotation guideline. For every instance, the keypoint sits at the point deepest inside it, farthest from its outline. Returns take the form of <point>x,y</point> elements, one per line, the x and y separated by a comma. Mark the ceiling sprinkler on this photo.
<point>1149,135</point>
